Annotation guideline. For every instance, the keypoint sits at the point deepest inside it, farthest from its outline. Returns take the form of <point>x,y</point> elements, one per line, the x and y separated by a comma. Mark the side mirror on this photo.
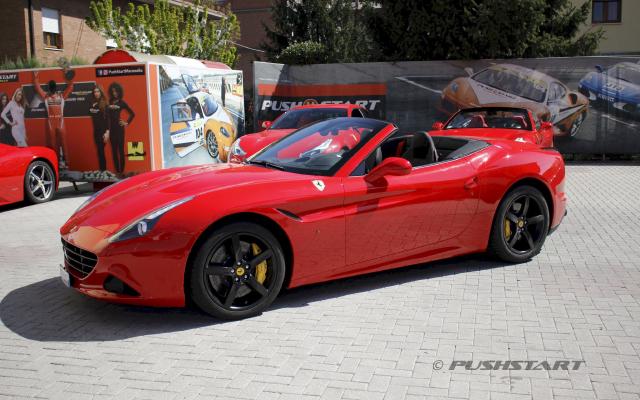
<point>546,125</point>
<point>394,166</point>
<point>437,126</point>
<point>599,68</point>
<point>469,71</point>
<point>266,125</point>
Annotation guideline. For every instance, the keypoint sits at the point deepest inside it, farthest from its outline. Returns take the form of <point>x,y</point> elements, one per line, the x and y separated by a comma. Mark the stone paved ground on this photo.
<point>374,337</point>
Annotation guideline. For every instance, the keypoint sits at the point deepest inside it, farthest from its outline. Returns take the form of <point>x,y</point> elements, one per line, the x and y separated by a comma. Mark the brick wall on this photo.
<point>14,40</point>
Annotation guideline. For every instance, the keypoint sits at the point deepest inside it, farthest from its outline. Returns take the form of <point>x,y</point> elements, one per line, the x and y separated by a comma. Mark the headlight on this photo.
<point>224,131</point>
<point>142,226</point>
<point>236,150</point>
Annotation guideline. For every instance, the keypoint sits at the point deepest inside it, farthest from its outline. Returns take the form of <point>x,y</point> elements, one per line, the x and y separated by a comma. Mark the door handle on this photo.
<point>471,183</point>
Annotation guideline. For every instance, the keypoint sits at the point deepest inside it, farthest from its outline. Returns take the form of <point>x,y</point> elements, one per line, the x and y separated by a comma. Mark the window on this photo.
<point>606,11</point>
<point>51,28</point>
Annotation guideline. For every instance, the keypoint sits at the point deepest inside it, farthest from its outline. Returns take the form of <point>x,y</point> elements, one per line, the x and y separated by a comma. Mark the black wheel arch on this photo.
<point>251,217</point>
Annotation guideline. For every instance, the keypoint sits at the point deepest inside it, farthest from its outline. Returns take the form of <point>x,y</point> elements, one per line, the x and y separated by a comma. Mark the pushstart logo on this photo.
<point>278,105</point>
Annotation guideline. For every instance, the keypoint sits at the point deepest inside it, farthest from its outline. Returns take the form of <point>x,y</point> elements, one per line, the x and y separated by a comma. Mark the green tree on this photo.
<point>338,25</point>
<point>185,31</point>
<point>472,29</point>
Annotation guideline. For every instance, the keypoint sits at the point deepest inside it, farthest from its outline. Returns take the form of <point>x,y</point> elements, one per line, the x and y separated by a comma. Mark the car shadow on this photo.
<point>64,192</point>
<point>49,312</point>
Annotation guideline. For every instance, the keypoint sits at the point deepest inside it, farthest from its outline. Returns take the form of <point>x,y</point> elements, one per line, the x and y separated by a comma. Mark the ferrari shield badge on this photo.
<point>318,184</point>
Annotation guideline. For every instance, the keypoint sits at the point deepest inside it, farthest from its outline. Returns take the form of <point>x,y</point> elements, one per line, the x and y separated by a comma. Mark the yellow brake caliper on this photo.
<point>261,269</point>
<point>507,228</point>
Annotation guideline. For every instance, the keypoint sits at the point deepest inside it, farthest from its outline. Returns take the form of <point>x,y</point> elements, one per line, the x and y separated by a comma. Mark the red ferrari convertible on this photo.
<point>288,122</point>
<point>27,173</point>
<point>338,198</point>
<point>511,123</point>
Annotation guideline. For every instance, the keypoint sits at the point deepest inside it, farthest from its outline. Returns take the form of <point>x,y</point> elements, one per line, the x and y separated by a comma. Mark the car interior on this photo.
<point>420,149</point>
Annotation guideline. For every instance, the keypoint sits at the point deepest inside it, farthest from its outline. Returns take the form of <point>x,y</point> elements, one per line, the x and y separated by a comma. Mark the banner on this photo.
<point>593,102</point>
<point>202,111</point>
<point>96,121</point>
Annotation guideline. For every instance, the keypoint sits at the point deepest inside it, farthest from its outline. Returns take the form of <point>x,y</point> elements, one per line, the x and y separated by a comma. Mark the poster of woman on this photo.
<point>5,129</point>
<point>98,112</point>
<point>117,123</point>
<point>16,108</point>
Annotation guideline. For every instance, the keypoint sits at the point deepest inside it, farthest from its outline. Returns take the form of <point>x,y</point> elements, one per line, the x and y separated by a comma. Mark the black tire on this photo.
<point>39,183</point>
<point>212,145</point>
<point>526,213</point>
<point>227,265</point>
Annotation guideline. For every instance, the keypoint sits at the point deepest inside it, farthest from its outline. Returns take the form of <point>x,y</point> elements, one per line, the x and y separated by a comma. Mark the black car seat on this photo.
<point>422,150</point>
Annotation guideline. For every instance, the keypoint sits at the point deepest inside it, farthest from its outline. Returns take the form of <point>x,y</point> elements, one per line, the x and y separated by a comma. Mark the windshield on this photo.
<point>209,106</point>
<point>295,119</point>
<point>625,74</point>
<point>491,118</point>
<point>511,82</point>
<point>321,148</point>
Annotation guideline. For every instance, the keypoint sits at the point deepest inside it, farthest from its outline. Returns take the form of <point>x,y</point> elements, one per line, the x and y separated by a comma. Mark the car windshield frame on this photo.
<point>539,99</point>
<point>517,111</point>
<point>267,157</point>
<point>281,122</point>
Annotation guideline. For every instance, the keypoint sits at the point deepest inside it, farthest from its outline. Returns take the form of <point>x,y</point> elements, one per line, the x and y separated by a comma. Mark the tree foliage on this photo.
<point>304,53</point>
<point>397,30</point>
<point>472,29</point>
<point>335,24</point>
<point>185,31</point>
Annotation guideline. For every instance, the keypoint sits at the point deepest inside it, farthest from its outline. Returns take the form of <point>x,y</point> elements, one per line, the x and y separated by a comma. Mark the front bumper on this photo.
<point>144,271</point>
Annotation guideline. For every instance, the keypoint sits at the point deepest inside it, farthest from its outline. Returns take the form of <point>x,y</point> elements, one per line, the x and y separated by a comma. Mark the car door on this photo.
<point>408,215</point>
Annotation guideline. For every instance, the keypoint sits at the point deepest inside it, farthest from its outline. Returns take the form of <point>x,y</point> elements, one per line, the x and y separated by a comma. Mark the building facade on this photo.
<point>620,21</point>
<point>51,29</point>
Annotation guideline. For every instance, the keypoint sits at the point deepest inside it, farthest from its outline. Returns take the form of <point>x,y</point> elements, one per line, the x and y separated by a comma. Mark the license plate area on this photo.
<point>65,277</point>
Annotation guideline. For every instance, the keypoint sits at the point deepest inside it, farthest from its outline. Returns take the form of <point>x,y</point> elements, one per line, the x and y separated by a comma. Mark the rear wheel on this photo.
<point>238,271</point>
<point>39,182</point>
<point>520,226</point>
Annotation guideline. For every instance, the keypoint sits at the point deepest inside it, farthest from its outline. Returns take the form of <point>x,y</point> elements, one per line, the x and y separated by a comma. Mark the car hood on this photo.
<point>255,142</point>
<point>133,198</point>
<point>487,94</point>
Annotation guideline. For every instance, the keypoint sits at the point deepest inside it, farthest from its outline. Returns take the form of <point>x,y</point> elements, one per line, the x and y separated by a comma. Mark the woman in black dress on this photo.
<point>5,129</point>
<point>117,124</point>
<point>98,112</point>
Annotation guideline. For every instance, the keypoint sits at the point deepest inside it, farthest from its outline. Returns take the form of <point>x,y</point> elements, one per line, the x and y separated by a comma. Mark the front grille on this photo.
<point>79,262</point>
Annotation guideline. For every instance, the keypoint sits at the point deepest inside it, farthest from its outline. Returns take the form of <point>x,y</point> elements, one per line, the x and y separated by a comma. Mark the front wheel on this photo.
<point>520,226</point>
<point>237,272</point>
<point>212,145</point>
<point>39,182</point>
<point>575,126</point>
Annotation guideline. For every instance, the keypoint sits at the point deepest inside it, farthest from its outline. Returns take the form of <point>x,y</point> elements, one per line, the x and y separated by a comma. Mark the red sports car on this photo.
<point>338,198</point>
<point>27,173</point>
<point>288,122</point>
<point>510,123</point>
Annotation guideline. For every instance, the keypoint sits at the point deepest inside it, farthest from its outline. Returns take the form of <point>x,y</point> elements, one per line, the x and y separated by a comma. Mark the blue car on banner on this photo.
<point>617,88</point>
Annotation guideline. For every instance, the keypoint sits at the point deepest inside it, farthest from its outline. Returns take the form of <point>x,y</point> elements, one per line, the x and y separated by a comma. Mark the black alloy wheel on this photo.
<point>238,271</point>
<point>520,226</point>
